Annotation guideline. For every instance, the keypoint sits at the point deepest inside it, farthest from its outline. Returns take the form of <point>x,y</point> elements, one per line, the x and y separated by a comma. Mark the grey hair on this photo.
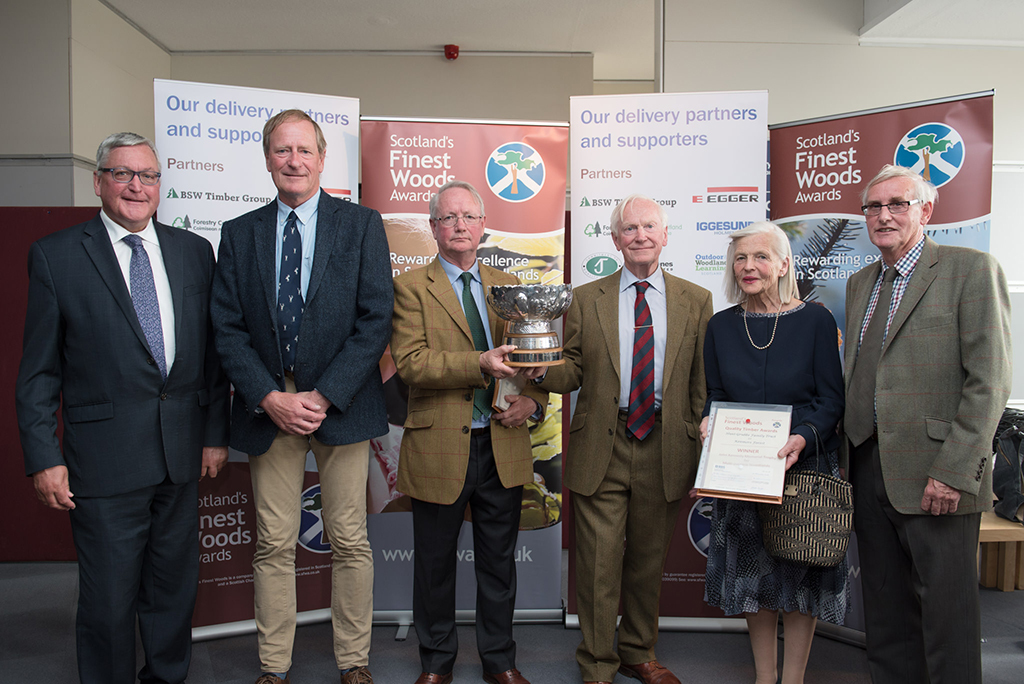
<point>434,199</point>
<point>781,250</point>
<point>125,139</point>
<point>616,219</point>
<point>923,190</point>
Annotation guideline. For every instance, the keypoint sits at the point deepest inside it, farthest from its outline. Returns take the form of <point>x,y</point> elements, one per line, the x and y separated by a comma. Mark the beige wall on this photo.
<point>112,72</point>
<point>474,87</point>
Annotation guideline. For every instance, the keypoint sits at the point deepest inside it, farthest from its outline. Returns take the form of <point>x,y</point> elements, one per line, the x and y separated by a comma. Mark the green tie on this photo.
<point>481,397</point>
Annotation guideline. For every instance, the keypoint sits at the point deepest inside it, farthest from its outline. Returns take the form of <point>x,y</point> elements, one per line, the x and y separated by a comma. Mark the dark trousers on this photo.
<point>920,580</point>
<point>138,557</point>
<point>495,512</point>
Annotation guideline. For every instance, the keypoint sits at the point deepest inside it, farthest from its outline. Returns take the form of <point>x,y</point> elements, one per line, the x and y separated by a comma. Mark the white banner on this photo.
<point>703,156</point>
<point>210,139</point>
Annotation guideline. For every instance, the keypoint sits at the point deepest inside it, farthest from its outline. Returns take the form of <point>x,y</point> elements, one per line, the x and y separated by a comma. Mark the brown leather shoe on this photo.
<point>652,672</point>
<point>360,675</point>
<point>512,676</point>
<point>431,678</point>
<point>272,679</point>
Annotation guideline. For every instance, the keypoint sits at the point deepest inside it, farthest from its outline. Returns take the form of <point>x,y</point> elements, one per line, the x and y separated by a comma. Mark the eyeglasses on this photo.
<point>451,221</point>
<point>893,207</point>
<point>123,175</point>
<point>631,229</point>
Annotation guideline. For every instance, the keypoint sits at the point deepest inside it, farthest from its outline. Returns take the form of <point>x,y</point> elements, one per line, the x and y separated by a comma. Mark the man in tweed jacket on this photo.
<point>923,477</point>
<point>454,455</point>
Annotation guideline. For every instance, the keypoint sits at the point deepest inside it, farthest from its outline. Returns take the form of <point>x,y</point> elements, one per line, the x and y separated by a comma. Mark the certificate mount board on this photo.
<point>740,455</point>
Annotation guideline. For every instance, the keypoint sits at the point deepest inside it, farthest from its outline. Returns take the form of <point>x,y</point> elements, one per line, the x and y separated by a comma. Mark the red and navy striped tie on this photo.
<point>641,387</point>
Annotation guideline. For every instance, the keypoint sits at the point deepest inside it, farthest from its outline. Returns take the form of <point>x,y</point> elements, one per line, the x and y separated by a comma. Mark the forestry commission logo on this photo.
<point>601,264</point>
<point>312,535</point>
<point>515,172</point>
<point>698,524</point>
<point>934,150</point>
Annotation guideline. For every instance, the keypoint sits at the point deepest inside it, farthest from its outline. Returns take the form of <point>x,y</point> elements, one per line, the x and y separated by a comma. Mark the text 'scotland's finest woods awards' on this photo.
<point>740,459</point>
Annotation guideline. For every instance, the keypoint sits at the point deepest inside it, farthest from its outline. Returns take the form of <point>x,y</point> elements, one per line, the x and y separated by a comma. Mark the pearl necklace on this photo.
<point>776,327</point>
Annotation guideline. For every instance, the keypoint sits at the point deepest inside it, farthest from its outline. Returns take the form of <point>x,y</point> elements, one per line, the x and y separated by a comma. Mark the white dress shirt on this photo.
<point>123,252</point>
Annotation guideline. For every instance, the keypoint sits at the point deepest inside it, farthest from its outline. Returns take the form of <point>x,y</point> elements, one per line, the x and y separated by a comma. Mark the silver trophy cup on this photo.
<point>529,312</point>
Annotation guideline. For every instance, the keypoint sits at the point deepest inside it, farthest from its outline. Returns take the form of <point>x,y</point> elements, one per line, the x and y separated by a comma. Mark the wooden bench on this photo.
<point>1002,553</point>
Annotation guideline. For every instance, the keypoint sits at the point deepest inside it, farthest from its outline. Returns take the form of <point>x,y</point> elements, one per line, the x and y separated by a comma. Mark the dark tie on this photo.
<point>147,307</point>
<point>640,419</point>
<point>481,397</point>
<point>860,405</point>
<point>289,292</point>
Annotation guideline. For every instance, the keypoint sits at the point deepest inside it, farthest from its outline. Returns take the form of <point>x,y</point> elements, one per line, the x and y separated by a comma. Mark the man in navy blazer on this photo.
<point>118,336</point>
<point>302,309</point>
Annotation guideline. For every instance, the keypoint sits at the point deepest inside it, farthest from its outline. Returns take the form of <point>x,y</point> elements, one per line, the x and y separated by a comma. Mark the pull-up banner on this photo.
<point>519,170</point>
<point>819,169</point>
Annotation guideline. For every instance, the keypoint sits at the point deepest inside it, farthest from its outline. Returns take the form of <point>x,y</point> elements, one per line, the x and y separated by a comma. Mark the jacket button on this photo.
<point>615,400</point>
<point>163,397</point>
<point>611,433</point>
<point>465,429</point>
<point>277,376</point>
<point>468,396</point>
<point>150,361</point>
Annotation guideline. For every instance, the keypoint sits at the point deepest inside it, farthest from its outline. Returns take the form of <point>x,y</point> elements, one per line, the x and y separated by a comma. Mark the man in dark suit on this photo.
<point>634,345</point>
<point>927,378</point>
<point>118,335</point>
<point>456,450</point>
<point>302,310</point>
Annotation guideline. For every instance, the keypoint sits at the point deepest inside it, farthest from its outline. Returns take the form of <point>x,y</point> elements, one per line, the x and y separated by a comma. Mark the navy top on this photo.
<point>801,368</point>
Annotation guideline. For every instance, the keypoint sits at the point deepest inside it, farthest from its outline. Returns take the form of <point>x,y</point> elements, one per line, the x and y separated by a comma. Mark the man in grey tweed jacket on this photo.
<point>922,470</point>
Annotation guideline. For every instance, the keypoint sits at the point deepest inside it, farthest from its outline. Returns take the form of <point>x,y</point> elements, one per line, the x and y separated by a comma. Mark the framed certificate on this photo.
<point>740,458</point>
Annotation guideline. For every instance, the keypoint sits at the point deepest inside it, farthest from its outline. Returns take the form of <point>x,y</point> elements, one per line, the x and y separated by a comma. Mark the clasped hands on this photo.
<point>296,414</point>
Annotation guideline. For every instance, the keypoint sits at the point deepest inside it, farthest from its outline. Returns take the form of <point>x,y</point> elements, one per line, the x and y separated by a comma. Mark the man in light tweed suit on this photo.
<point>456,451</point>
<point>926,386</point>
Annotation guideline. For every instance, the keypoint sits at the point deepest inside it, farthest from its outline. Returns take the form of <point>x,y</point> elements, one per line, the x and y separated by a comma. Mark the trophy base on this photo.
<point>551,357</point>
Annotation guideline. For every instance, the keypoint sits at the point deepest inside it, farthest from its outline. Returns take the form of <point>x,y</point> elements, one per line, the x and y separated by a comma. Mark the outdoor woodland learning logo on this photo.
<point>934,150</point>
<point>312,535</point>
<point>515,172</point>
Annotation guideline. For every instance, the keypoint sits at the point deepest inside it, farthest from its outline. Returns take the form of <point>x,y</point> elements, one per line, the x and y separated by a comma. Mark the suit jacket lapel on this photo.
<point>924,275</point>
<point>170,247</point>
<point>326,232</point>
<point>859,295</point>
<point>97,246</point>
<point>265,236</point>
<point>443,291</point>
<point>676,320</point>
<point>608,317</point>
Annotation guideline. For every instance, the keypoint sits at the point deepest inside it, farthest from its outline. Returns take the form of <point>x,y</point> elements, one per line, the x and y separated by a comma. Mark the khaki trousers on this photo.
<point>277,479</point>
<point>623,532</point>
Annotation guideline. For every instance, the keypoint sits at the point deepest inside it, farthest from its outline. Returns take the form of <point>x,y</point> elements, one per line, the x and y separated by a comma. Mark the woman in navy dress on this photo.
<point>772,348</point>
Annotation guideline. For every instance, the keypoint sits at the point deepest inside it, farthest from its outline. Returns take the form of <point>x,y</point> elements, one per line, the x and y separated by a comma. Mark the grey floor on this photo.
<point>37,606</point>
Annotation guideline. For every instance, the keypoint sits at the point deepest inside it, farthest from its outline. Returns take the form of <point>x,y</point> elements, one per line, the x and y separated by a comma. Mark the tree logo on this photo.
<point>182,222</point>
<point>515,172</point>
<point>312,535</point>
<point>934,150</point>
<point>698,525</point>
